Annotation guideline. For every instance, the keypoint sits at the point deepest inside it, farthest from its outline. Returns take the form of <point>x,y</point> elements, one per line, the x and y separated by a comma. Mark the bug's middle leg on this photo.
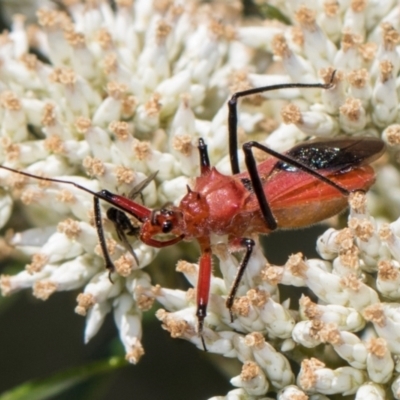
<point>248,244</point>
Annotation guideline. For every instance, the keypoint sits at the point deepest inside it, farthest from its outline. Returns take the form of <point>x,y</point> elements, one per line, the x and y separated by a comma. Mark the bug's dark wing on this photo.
<point>338,154</point>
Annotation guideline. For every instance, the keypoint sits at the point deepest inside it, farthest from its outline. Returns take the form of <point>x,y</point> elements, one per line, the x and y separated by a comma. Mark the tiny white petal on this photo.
<point>95,318</point>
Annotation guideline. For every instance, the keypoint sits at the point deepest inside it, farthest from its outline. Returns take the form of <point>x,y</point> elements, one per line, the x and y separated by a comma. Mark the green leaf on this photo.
<point>41,389</point>
<point>272,12</point>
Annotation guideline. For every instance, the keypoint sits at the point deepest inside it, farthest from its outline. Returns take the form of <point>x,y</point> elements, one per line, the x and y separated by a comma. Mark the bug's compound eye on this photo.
<point>167,226</point>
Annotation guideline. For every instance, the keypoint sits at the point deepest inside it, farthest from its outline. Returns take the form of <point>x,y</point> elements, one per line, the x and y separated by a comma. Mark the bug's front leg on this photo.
<point>100,233</point>
<point>203,285</point>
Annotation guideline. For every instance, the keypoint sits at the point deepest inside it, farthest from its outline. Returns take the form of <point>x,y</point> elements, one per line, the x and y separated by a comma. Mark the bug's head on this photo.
<point>166,220</point>
<point>163,223</point>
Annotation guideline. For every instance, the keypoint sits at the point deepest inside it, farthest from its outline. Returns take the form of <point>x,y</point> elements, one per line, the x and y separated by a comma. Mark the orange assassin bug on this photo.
<point>300,187</point>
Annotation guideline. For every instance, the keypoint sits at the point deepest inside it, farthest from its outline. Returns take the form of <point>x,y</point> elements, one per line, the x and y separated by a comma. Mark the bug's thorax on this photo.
<point>211,205</point>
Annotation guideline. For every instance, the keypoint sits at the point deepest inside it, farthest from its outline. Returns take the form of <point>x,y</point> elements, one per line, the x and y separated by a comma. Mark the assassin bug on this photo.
<point>303,186</point>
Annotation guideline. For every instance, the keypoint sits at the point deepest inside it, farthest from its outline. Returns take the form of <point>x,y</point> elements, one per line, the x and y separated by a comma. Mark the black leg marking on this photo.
<point>204,159</point>
<point>249,245</point>
<point>201,315</point>
<point>100,233</point>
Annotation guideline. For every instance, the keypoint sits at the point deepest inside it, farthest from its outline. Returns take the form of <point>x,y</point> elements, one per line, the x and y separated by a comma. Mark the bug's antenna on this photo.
<point>55,180</point>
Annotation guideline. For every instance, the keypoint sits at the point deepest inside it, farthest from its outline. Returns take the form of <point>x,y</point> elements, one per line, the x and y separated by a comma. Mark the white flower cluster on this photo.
<point>114,100</point>
<point>125,93</point>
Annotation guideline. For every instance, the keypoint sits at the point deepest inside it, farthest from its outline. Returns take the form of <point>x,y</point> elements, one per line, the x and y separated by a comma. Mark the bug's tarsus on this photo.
<point>203,342</point>
<point>201,315</point>
<point>331,82</point>
<point>200,326</point>
<point>204,159</point>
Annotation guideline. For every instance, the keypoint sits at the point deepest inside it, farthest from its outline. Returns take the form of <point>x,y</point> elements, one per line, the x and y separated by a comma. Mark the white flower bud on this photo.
<point>13,118</point>
<point>391,238</point>
<point>237,394</point>
<point>59,247</point>
<point>23,280</point>
<point>303,334</point>
<point>251,379</point>
<point>99,142</point>
<point>385,318</point>
<point>74,274</point>
<point>128,320</point>
<point>95,318</point>
<point>171,90</point>
<point>384,97</point>
<point>388,279</point>
<point>100,288</point>
<point>371,391</point>
<point>380,364</point>
<point>258,37</point>
<point>352,117</point>
<point>275,365</point>
<point>173,189</point>
<point>355,19</point>
<point>347,345</point>
<point>291,392</point>
<point>109,110</point>
<point>165,164</point>
<point>345,318</point>
<point>311,122</point>
<point>331,21</point>
<point>31,152</point>
<point>183,142</point>
<point>327,245</point>
<point>317,46</point>
<point>396,387</point>
<point>277,319</point>
<point>153,65</point>
<point>313,377</point>
<point>6,204</point>
<point>172,299</point>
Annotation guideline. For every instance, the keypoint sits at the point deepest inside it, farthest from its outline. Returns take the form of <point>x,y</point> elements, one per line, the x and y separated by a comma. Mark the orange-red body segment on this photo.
<point>297,199</point>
